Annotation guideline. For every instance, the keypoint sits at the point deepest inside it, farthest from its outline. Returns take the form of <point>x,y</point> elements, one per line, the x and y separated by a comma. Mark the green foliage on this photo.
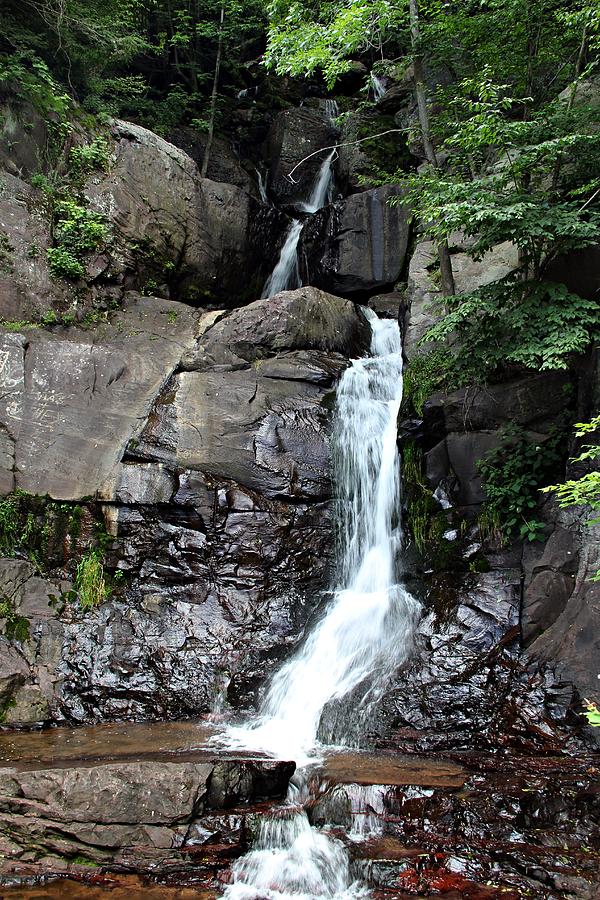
<point>512,474</point>
<point>90,582</point>
<point>511,322</point>
<point>27,71</point>
<point>63,264</point>
<point>16,627</point>
<point>583,491</point>
<point>77,231</point>
<point>304,38</point>
<point>592,714</point>
<point>87,158</point>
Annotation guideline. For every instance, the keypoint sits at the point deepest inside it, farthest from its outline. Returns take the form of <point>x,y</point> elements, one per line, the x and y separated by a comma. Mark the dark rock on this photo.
<point>388,306</point>
<point>534,402</point>
<point>224,164</point>
<point>356,245</point>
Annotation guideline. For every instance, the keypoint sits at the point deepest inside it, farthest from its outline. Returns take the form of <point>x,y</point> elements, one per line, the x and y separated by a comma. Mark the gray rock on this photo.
<point>76,401</point>
<point>424,298</point>
<point>561,605</point>
<point>13,671</point>
<point>154,199</point>
<point>534,402</point>
<point>358,244</point>
<point>26,287</point>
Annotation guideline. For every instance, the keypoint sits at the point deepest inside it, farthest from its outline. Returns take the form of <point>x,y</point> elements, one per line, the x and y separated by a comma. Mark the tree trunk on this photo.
<point>447,276</point>
<point>213,99</point>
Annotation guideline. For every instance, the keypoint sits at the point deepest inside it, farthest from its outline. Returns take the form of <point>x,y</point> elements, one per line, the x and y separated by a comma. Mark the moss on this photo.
<point>425,374</point>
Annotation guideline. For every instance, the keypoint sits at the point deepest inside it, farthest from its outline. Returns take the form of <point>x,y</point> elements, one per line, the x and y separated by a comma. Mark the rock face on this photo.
<point>357,245</point>
<point>424,293</point>
<point>167,230</point>
<point>205,442</point>
<point>77,397</point>
<point>463,426</point>
<point>163,214</point>
<point>133,814</point>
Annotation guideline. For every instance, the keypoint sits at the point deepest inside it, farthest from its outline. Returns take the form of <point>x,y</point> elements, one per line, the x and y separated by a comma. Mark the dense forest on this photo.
<point>299,445</point>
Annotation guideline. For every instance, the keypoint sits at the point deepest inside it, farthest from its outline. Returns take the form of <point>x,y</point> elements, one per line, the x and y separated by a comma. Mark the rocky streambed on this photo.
<point>152,810</point>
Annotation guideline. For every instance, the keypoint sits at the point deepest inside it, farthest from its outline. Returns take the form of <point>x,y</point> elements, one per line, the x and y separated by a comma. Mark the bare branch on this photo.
<point>371,137</point>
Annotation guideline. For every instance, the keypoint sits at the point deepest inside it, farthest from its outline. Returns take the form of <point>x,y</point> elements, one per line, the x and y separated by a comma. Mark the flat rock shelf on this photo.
<point>155,811</point>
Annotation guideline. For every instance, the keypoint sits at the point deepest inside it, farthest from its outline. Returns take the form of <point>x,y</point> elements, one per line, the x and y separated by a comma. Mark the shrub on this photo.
<point>90,582</point>
<point>512,475</point>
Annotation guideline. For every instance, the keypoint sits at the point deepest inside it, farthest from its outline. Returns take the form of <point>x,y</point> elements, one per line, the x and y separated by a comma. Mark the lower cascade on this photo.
<point>347,661</point>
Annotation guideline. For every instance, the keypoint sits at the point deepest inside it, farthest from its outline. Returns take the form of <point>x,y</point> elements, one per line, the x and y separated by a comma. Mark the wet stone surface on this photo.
<point>479,825</point>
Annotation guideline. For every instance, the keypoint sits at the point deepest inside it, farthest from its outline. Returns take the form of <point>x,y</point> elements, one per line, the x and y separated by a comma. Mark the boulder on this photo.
<point>535,402</point>
<point>561,604</point>
<point>357,245</point>
<point>162,215</point>
<point>262,427</point>
<point>294,135</point>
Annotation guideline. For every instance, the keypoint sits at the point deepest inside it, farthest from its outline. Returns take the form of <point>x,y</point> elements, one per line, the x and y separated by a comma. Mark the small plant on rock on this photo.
<point>512,474</point>
<point>90,581</point>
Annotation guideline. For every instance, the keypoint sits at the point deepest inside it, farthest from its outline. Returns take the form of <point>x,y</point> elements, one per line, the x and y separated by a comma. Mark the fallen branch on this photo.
<point>371,137</point>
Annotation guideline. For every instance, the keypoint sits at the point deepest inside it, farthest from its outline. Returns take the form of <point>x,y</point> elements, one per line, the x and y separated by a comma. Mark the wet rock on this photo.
<point>13,671</point>
<point>209,451</point>
<point>358,244</point>
<point>132,814</point>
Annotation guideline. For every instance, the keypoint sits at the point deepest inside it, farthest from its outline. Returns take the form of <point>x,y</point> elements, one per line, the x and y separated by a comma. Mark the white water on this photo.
<point>332,110</point>
<point>321,191</point>
<point>378,86</point>
<point>262,185</point>
<point>285,276</point>
<point>364,636</point>
<point>368,627</point>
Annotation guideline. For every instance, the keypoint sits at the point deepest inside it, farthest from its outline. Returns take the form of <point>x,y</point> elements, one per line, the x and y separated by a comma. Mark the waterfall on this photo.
<point>321,190</point>
<point>365,634</point>
<point>332,110</point>
<point>261,178</point>
<point>367,631</point>
<point>285,276</point>
<point>378,86</point>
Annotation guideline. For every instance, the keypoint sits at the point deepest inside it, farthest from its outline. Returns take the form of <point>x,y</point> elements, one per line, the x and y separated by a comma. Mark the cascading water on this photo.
<point>321,190</point>
<point>378,86</point>
<point>286,275</point>
<point>365,635</point>
<point>261,178</point>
